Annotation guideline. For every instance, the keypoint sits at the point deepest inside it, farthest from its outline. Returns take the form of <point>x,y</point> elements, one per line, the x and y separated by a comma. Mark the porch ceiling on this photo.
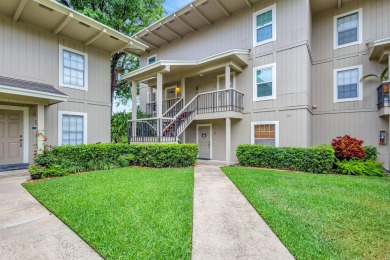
<point>189,19</point>
<point>379,50</point>
<point>236,59</point>
<point>61,20</point>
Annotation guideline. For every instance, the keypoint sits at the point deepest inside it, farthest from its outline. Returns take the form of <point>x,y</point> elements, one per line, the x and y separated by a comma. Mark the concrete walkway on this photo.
<point>29,231</point>
<point>225,225</point>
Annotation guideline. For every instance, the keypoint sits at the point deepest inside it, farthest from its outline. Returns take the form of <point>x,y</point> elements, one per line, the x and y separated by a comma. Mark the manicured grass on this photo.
<point>127,213</point>
<point>321,216</point>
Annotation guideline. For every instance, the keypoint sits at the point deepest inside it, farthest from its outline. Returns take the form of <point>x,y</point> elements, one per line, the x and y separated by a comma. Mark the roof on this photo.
<point>189,19</point>
<point>235,58</point>
<point>61,20</point>
<point>31,89</point>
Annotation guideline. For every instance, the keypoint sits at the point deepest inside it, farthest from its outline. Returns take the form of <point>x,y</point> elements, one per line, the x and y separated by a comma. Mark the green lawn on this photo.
<point>321,216</point>
<point>127,213</point>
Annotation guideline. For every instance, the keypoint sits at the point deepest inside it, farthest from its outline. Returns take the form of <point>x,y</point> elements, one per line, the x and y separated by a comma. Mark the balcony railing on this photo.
<point>167,129</point>
<point>383,95</point>
<point>151,108</point>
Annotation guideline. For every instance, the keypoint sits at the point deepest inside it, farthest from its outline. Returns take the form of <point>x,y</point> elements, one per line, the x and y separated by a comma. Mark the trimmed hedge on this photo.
<point>317,159</point>
<point>63,160</point>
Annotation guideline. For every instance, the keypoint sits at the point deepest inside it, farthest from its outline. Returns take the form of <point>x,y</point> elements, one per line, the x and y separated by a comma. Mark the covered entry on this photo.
<point>204,139</point>
<point>11,137</point>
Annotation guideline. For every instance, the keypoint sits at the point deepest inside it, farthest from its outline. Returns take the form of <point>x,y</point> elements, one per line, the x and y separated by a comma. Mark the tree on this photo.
<point>127,17</point>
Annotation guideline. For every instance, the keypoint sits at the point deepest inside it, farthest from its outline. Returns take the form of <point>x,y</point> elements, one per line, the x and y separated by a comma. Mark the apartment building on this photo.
<point>54,77</point>
<point>277,72</point>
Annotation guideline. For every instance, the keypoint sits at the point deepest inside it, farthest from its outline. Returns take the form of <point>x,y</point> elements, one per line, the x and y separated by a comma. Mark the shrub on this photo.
<point>347,148</point>
<point>318,159</point>
<point>91,157</point>
<point>371,153</point>
<point>362,168</point>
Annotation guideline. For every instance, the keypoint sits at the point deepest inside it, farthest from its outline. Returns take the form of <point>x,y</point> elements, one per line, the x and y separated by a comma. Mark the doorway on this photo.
<point>11,137</point>
<point>204,140</point>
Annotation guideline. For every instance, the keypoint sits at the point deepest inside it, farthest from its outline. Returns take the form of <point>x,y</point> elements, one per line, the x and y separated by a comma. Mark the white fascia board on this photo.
<point>32,93</point>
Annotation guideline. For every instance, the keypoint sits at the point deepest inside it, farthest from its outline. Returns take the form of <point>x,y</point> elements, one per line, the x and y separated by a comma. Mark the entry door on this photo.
<point>11,139</point>
<point>204,141</point>
<point>224,98</point>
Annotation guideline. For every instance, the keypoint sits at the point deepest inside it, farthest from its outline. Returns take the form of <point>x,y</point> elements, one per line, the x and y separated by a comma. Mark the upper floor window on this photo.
<point>265,133</point>
<point>264,24</point>
<point>264,82</point>
<point>152,59</point>
<point>73,69</point>
<point>72,128</point>
<point>348,29</point>
<point>347,85</point>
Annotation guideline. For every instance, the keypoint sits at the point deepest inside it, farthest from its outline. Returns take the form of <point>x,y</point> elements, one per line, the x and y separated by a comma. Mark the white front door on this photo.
<point>11,137</point>
<point>204,141</point>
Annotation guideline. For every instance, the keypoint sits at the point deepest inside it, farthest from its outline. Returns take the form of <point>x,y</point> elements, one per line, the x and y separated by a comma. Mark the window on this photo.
<point>152,59</point>
<point>152,98</point>
<point>264,24</point>
<point>347,85</point>
<point>348,29</point>
<point>264,82</point>
<point>73,69</point>
<point>265,133</point>
<point>72,128</point>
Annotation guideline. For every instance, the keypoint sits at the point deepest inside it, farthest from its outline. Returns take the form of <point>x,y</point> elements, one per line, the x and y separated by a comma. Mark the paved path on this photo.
<point>225,225</point>
<point>29,231</point>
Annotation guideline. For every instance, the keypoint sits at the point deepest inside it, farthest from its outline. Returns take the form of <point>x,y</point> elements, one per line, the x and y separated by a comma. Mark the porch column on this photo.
<point>134,108</point>
<point>228,141</point>
<point>40,127</point>
<point>183,89</point>
<point>227,77</point>
<point>159,101</point>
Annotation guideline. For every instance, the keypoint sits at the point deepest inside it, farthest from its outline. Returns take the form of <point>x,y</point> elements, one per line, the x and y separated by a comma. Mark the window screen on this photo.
<point>264,82</point>
<point>264,134</point>
<point>348,29</point>
<point>72,129</point>
<point>74,67</point>
<point>264,26</point>
<point>347,83</point>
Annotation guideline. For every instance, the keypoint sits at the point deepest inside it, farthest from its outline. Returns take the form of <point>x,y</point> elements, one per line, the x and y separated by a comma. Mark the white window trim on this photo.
<point>360,29</point>
<point>273,96</point>
<point>61,113</point>
<point>166,90</point>
<point>153,56</point>
<point>276,123</point>
<point>273,8</point>
<point>61,68</point>
<point>360,85</point>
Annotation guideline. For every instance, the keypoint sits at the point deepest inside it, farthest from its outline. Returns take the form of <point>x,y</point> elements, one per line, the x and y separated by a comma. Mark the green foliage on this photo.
<point>317,159</point>
<point>119,125</point>
<point>361,168</point>
<point>371,153</point>
<point>92,157</point>
<point>381,77</point>
<point>36,169</point>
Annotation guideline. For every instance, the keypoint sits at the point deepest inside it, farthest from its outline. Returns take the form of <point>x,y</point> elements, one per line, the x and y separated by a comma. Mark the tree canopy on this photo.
<point>128,17</point>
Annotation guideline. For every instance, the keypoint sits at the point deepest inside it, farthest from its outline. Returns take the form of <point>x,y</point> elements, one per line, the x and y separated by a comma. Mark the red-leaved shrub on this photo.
<point>347,147</point>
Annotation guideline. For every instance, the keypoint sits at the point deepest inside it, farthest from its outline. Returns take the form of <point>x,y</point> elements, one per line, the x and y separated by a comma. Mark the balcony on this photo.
<point>223,103</point>
<point>384,99</point>
<point>151,108</point>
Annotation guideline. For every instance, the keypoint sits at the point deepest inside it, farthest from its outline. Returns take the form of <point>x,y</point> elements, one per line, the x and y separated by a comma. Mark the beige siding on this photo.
<point>30,53</point>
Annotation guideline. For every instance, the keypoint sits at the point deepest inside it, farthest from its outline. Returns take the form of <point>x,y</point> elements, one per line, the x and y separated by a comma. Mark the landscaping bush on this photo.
<point>317,159</point>
<point>371,153</point>
<point>347,148</point>
<point>361,168</point>
<point>62,160</point>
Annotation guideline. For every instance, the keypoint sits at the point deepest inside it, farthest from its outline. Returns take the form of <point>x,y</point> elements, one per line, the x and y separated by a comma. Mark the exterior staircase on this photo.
<point>177,118</point>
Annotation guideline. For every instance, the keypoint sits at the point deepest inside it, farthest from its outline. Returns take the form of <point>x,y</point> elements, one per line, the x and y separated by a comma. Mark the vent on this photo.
<point>84,24</point>
<point>113,37</point>
<point>45,7</point>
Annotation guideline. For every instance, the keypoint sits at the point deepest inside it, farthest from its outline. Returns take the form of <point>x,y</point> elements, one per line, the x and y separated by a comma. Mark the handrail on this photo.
<point>150,118</point>
<point>166,112</point>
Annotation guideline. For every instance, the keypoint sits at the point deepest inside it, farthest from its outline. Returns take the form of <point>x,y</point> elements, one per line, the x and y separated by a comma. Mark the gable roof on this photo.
<point>189,19</point>
<point>61,20</point>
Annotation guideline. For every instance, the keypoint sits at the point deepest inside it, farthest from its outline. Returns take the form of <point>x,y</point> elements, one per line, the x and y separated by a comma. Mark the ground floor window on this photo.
<point>265,133</point>
<point>72,128</point>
